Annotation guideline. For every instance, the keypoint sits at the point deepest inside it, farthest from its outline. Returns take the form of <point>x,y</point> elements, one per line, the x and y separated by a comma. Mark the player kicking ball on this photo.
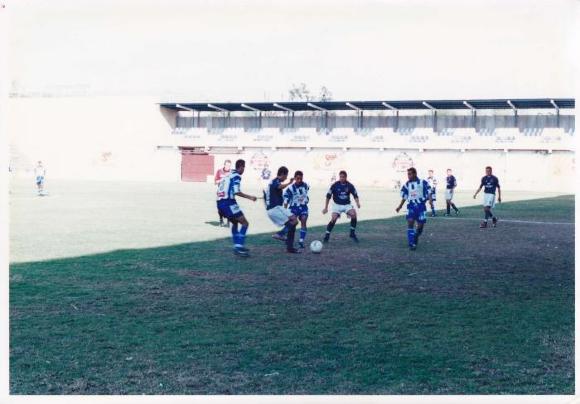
<point>296,197</point>
<point>416,193</point>
<point>340,193</point>
<point>277,213</point>
<point>489,183</point>
<point>228,189</point>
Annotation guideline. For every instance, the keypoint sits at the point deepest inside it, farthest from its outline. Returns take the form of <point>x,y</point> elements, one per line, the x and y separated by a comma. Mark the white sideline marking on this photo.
<point>500,220</point>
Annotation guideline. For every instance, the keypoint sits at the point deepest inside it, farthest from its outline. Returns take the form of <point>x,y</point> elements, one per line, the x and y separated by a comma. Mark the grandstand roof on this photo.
<point>527,103</point>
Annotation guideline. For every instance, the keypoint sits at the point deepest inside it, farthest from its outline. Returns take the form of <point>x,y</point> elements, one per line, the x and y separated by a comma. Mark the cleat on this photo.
<point>301,244</point>
<point>413,247</point>
<point>293,250</point>
<point>433,214</point>
<point>354,237</point>
<point>483,225</point>
<point>240,252</point>
<point>326,239</point>
<point>457,212</point>
<point>494,221</point>
<point>446,215</point>
<point>278,237</point>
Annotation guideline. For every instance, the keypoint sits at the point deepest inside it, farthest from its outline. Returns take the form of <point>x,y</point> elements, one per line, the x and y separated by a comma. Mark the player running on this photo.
<point>228,189</point>
<point>277,213</point>
<point>296,197</point>
<point>449,191</point>
<point>415,192</point>
<point>340,192</point>
<point>39,174</point>
<point>221,173</point>
<point>489,182</point>
<point>432,181</point>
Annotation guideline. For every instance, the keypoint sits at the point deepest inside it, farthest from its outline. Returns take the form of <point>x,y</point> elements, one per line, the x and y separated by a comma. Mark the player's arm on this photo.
<point>404,194</point>
<point>242,195</point>
<point>355,195</point>
<point>398,208</point>
<point>216,179</point>
<point>478,189</point>
<point>498,192</point>
<point>287,197</point>
<point>328,196</point>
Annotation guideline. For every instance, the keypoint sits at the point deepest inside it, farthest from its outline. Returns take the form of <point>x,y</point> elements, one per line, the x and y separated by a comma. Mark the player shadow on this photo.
<point>213,223</point>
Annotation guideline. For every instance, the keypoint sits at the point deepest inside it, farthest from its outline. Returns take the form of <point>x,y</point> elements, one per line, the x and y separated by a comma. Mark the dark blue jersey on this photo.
<point>340,193</point>
<point>274,194</point>
<point>451,182</point>
<point>489,183</point>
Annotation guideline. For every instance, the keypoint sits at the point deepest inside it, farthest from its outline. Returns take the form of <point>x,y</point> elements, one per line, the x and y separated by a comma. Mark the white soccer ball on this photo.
<point>316,246</point>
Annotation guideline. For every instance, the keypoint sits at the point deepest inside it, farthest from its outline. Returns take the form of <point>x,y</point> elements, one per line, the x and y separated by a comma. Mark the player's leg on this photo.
<point>486,216</point>
<point>330,226</point>
<point>421,220</point>
<point>241,236</point>
<point>411,233</point>
<point>353,219</point>
<point>454,208</point>
<point>303,230</point>
<point>292,223</point>
<point>448,206</point>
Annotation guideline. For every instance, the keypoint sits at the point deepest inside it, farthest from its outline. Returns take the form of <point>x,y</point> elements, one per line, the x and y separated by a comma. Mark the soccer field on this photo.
<point>129,288</point>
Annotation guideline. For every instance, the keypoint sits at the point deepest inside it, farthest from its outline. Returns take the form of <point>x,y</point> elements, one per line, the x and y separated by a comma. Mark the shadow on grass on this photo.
<point>375,318</point>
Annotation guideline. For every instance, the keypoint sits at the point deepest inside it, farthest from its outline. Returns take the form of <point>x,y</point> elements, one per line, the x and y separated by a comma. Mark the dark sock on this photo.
<point>454,207</point>
<point>419,231</point>
<point>329,227</point>
<point>352,225</point>
<point>290,237</point>
<point>448,209</point>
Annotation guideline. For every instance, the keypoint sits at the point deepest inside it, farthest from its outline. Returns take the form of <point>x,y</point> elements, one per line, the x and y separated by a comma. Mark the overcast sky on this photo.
<point>254,50</point>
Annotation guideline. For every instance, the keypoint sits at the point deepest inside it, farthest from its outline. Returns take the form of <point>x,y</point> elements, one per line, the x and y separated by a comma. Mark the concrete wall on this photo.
<point>118,138</point>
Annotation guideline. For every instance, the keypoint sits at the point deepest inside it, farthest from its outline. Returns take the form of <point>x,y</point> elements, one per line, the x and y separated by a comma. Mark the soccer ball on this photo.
<point>316,246</point>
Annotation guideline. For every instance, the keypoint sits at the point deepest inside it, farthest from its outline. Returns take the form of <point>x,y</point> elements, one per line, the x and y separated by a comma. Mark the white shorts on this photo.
<point>448,194</point>
<point>339,209</point>
<point>279,215</point>
<point>489,200</point>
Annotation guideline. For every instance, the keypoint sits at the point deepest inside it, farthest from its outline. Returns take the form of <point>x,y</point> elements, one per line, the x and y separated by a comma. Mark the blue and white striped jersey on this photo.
<point>432,181</point>
<point>297,195</point>
<point>229,186</point>
<point>415,192</point>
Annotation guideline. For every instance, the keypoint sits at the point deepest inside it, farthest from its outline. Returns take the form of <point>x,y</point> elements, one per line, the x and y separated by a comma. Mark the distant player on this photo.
<point>433,189</point>
<point>340,193</point>
<point>228,189</point>
<point>221,173</point>
<point>296,197</point>
<point>40,174</point>
<point>277,213</point>
<point>489,183</point>
<point>416,193</point>
<point>449,192</point>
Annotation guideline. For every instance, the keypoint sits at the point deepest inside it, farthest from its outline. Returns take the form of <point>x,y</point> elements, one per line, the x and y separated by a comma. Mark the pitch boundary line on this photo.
<point>506,220</point>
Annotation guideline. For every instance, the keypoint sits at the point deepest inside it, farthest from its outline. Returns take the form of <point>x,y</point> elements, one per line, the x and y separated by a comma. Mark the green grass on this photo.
<point>470,312</point>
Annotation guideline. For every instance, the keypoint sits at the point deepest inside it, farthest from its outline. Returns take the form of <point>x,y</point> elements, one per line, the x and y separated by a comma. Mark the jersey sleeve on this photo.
<point>482,183</point>
<point>404,192</point>
<point>497,182</point>
<point>352,190</point>
<point>426,189</point>
<point>288,195</point>
<point>236,180</point>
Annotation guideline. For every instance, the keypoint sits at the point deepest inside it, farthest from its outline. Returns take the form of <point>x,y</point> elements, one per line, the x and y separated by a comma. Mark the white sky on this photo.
<point>255,50</point>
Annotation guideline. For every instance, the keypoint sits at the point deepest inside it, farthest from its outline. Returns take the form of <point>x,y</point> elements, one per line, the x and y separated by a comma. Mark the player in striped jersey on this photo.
<point>228,189</point>
<point>296,198</point>
<point>416,193</point>
<point>433,189</point>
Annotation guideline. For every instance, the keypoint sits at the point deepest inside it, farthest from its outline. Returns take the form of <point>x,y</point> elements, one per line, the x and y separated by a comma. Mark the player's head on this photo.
<point>240,166</point>
<point>282,173</point>
<point>298,177</point>
<point>430,172</point>
<point>342,176</point>
<point>227,165</point>
<point>39,163</point>
<point>412,174</point>
<point>449,171</point>
<point>488,170</point>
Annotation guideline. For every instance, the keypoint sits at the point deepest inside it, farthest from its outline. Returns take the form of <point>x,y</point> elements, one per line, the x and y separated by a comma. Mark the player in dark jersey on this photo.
<point>278,214</point>
<point>340,193</point>
<point>489,183</point>
<point>451,184</point>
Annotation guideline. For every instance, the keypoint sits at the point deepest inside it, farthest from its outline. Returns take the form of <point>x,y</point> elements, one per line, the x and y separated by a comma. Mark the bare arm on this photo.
<point>398,208</point>
<point>250,197</point>
<point>477,192</point>
<point>357,202</point>
<point>498,193</point>
<point>325,210</point>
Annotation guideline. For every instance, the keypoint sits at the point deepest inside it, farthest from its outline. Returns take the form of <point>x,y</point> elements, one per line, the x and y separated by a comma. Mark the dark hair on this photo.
<point>297,173</point>
<point>240,163</point>
<point>228,161</point>
<point>413,170</point>
<point>342,172</point>
<point>283,170</point>
<point>488,167</point>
